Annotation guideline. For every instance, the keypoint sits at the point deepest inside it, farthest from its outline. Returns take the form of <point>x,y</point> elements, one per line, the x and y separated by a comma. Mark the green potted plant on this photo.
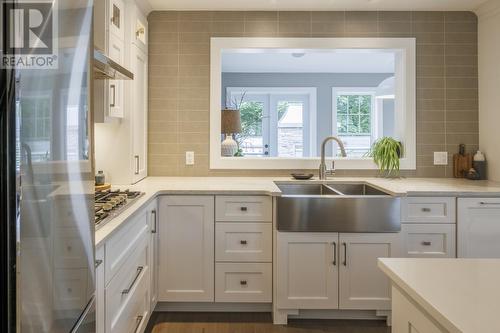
<point>386,153</point>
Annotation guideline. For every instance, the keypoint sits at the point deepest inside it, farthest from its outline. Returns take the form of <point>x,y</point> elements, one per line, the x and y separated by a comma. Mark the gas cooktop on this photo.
<point>111,203</point>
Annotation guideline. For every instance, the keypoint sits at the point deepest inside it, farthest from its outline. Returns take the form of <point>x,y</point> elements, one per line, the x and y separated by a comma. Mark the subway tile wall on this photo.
<point>179,78</point>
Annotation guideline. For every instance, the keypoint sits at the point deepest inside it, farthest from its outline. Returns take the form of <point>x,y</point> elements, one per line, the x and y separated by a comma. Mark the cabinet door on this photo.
<point>307,270</point>
<point>139,113</point>
<point>99,290</point>
<point>478,228</point>
<point>186,267</point>
<point>362,285</point>
<point>153,252</point>
<point>115,89</point>
<point>117,18</point>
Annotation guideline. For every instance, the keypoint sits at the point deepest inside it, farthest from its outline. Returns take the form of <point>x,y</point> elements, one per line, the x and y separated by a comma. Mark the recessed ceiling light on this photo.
<point>298,55</point>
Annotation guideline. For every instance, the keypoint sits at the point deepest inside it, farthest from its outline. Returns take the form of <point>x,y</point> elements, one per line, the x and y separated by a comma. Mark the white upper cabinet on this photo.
<point>117,18</point>
<point>307,271</point>
<point>186,262</point>
<point>362,284</point>
<point>139,114</point>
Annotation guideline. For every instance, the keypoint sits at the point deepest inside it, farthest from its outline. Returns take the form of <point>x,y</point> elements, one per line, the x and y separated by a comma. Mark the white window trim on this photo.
<point>405,91</point>
<point>336,91</point>
<point>309,91</point>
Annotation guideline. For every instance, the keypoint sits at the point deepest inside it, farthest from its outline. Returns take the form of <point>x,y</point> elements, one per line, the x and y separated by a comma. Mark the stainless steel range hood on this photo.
<point>105,68</point>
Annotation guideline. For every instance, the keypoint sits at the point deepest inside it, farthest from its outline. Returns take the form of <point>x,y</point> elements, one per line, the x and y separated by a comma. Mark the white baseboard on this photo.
<point>212,307</point>
<point>338,314</point>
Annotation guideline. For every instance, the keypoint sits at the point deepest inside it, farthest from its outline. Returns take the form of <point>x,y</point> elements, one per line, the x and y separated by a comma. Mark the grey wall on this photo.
<point>323,82</point>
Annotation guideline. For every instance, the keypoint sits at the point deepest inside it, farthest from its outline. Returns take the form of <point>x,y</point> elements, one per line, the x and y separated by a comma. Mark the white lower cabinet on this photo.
<point>362,285</point>
<point>243,282</point>
<point>186,262</point>
<point>429,240</point>
<point>307,271</point>
<point>333,271</point>
<point>408,318</point>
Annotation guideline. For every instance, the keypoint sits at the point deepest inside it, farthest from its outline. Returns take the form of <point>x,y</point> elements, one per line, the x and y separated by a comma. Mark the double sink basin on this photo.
<point>337,207</point>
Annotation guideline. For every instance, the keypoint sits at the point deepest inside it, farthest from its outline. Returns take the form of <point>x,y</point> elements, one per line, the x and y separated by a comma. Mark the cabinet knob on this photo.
<point>243,282</point>
<point>426,210</point>
<point>243,209</point>
<point>426,243</point>
<point>243,242</point>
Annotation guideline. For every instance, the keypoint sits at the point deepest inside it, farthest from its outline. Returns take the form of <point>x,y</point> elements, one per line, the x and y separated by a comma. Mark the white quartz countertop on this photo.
<point>463,295</point>
<point>153,186</point>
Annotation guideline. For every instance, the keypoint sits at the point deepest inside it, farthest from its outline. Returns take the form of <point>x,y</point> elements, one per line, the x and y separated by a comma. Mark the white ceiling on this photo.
<point>311,62</point>
<point>315,4</point>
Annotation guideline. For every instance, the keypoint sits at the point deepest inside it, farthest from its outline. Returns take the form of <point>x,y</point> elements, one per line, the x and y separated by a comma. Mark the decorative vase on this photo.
<point>229,147</point>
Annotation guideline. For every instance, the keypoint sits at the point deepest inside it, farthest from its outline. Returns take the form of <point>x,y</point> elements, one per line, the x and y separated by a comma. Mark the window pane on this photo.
<point>353,124</point>
<point>366,104</point>
<point>290,129</point>
<point>342,103</point>
<point>342,123</point>
<point>365,126</point>
<point>250,139</point>
<point>353,104</point>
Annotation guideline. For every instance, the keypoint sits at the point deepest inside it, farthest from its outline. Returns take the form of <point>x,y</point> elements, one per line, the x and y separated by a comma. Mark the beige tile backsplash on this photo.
<point>179,79</point>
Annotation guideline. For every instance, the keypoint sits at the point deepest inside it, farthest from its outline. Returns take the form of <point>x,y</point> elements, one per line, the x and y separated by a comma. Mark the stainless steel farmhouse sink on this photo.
<point>337,207</point>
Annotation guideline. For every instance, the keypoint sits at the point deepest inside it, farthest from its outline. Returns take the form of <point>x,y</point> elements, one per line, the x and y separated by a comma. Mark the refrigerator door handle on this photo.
<point>88,309</point>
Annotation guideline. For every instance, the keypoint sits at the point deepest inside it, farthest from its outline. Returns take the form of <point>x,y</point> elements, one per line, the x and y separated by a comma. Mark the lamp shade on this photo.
<point>231,121</point>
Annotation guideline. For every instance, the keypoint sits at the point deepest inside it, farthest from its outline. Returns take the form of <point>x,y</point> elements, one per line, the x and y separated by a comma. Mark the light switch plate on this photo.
<point>440,158</point>
<point>190,158</point>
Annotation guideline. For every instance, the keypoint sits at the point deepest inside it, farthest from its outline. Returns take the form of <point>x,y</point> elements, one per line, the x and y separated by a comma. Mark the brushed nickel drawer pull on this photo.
<point>137,167</point>
<point>139,322</point>
<point>113,104</point>
<point>426,210</point>
<point>139,270</point>
<point>243,242</point>
<point>345,254</point>
<point>426,243</point>
<point>243,209</point>
<point>243,282</point>
<point>98,262</point>
<point>489,203</point>
<point>153,213</point>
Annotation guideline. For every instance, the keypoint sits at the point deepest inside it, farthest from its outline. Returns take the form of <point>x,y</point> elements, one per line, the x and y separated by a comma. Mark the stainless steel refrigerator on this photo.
<point>46,183</point>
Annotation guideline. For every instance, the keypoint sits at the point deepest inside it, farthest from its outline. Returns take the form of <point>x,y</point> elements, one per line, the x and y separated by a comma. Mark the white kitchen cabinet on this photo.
<point>362,285</point>
<point>139,113</point>
<point>429,240</point>
<point>152,213</point>
<point>100,284</point>
<point>334,271</point>
<point>478,228</point>
<point>407,317</point>
<point>117,18</point>
<point>428,210</point>
<point>307,270</point>
<point>186,262</point>
<point>243,282</point>
<point>243,242</point>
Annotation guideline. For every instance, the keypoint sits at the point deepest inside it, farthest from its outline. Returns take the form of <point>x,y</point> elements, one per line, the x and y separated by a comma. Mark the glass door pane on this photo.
<point>289,135</point>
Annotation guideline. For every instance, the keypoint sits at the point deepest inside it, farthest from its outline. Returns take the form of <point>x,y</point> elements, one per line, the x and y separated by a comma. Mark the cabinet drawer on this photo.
<point>428,210</point>
<point>243,282</point>
<point>429,240</point>
<point>121,245</point>
<point>243,208</point>
<point>243,242</point>
<point>127,295</point>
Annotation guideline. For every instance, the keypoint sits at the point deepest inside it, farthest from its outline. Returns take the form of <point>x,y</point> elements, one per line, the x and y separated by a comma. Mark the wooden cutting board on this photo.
<point>461,164</point>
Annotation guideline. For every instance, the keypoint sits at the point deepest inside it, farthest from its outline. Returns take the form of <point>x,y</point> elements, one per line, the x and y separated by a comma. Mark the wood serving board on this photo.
<point>104,187</point>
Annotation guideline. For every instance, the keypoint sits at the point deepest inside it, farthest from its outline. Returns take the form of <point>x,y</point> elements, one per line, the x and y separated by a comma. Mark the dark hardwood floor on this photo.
<point>228,322</point>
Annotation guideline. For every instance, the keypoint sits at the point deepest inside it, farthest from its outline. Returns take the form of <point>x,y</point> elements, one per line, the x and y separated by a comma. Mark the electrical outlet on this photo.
<point>190,158</point>
<point>440,158</point>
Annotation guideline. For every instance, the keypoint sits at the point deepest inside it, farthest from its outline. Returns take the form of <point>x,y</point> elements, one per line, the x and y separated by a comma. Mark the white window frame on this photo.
<point>337,91</point>
<point>405,92</point>
<point>272,94</point>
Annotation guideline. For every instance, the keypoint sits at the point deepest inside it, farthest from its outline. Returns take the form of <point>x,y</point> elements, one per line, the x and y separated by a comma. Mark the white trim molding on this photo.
<point>405,74</point>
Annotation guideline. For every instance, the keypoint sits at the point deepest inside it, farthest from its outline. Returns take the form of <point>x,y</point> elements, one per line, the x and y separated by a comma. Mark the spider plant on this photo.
<point>386,153</point>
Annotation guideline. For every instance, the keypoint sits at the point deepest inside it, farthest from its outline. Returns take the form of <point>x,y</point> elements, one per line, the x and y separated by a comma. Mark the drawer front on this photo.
<point>243,282</point>
<point>429,240</point>
<point>243,242</point>
<point>121,245</point>
<point>428,210</point>
<point>127,295</point>
<point>243,208</point>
